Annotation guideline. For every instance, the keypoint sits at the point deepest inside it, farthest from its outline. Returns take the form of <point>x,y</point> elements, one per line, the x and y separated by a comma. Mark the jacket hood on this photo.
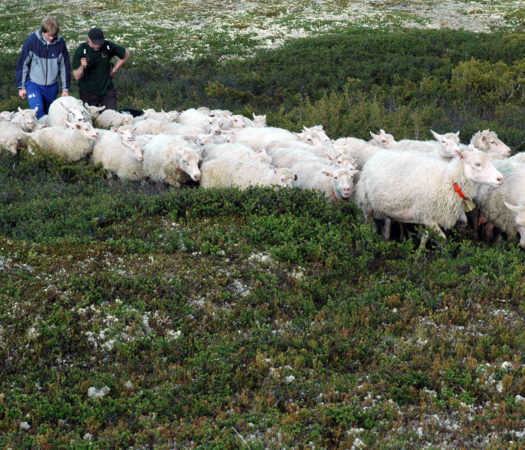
<point>41,38</point>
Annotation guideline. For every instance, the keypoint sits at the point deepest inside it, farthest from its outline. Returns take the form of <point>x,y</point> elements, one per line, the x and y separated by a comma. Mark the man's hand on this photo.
<point>22,94</point>
<point>83,62</point>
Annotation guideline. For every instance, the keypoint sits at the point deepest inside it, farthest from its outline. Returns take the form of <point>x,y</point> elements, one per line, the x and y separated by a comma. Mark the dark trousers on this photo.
<point>109,100</point>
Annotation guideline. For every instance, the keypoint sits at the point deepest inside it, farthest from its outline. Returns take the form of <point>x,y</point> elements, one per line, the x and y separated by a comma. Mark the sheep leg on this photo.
<point>426,234</point>
<point>488,232</point>
<point>386,229</point>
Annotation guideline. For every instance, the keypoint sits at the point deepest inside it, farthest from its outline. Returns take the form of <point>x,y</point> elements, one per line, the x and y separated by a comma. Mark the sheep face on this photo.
<point>383,139</point>
<point>5,116</point>
<point>286,176</point>
<point>29,119</point>
<point>75,115</point>
<point>84,127</point>
<point>488,141</point>
<point>478,167</point>
<point>342,182</point>
<point>125,132</point>
<point>188,162</point>
<point>449,143</point>
<point>137,149</point>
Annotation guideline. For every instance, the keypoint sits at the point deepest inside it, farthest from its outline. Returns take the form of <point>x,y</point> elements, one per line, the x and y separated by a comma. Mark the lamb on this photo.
<point>123,158</point>
<point>223,173</point>
<point>488,141</point>
<point>111,118</point>
<point>25,119</point>
<point>94,111</point>
<point>414,188</point>
<point>504,207</point>
<point>314,135</point>
<point>234,151</point>
<point>72,143</point>
<point>240,121</point>
<point>6,116</point>
<point>70,109</point>
<point>383,139</point>
<point>335,182</point>
<point>170,159</point>
<point>12,137</point>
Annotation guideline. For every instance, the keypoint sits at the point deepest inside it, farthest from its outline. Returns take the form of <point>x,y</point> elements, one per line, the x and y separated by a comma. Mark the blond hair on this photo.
<point>50,25</point>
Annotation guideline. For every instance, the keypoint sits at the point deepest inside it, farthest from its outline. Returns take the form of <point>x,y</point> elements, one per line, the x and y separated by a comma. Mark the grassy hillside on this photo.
<point>133,316</point>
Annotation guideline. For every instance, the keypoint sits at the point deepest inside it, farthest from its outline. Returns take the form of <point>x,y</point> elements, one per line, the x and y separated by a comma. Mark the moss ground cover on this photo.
<point>183,318</point>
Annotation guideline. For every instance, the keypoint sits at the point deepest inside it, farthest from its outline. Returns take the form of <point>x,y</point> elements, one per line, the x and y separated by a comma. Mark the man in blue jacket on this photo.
<point>44,58</point>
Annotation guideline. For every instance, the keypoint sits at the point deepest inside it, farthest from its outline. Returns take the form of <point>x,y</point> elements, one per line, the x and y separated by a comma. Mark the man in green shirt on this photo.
<point>93,70</point>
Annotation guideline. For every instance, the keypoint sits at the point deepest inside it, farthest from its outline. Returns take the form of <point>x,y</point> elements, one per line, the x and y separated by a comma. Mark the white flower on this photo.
<point>24,426</point>
<point>93,392</point>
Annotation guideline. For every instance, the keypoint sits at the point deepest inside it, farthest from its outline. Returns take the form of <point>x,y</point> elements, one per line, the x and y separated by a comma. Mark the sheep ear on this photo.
<point>20,109</point>
<point>36,108</point>
<point>373,135</point>
<point>436,135</point>
<point>513,208</point>
<point>381,131</point>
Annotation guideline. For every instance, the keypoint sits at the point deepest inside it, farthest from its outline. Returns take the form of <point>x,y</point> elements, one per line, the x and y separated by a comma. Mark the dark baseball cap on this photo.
<point>96,36</point>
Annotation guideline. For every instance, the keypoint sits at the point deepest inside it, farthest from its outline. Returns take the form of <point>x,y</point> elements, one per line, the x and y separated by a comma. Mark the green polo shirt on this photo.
<point>96,79</point>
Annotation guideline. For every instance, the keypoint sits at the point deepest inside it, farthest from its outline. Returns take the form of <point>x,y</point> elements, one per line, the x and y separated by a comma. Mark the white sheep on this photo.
<point>234,151</point>
<point>111,118</point>
<point>383,139</point>
<point>171,159</point>
<point>358,149</point>
<point>6,116</point>
<point>413,188</point>
<point>488,142</point>
<point>336,183</point>
<point>518,157</point>
<point>264,137</point>
<point>314,135</point>
<point>444,146</point>
<point>504,206</point>
<point>94,111</point>
<point>289,156</point>
<point>25,119</point>
<point>67,109</point>
<point>197,119</point>
<point>154,126</point>
<point>150,113</point>
<point>223,173</point>
<point>121,157</point>
<point>12,137</point>
<point>72,143</point>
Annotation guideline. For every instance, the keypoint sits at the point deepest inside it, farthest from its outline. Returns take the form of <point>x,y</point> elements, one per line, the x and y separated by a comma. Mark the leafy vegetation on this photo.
<point>265,318</point>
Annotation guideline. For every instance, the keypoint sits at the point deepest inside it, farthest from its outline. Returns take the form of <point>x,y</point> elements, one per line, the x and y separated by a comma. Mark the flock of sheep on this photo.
<point>434,183</point>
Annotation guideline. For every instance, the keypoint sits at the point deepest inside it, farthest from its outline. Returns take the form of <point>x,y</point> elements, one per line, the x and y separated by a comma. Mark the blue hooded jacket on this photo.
<point>42,62</point>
